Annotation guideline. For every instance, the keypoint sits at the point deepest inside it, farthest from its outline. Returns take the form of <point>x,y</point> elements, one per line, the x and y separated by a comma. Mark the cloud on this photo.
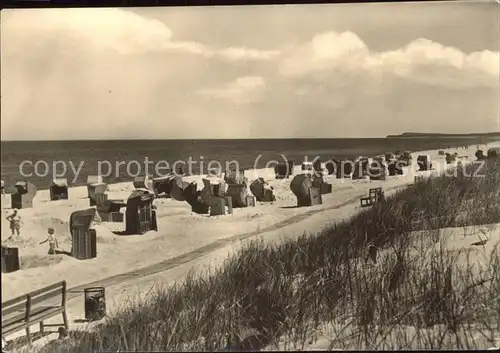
<point>246,53</point>
<point>107,28</point>
<point>241,90</point>
<point>71,76</point>
<point>421,60</point>
<point>114,29</point>
<point>249,82</point>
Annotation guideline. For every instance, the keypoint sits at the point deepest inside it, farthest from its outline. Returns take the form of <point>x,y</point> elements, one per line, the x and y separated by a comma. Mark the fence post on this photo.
<point>63,304</point>
<point>27,317</point>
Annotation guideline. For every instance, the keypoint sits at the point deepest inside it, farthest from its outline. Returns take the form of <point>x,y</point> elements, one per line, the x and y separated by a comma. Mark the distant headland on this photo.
<point>441,135</point>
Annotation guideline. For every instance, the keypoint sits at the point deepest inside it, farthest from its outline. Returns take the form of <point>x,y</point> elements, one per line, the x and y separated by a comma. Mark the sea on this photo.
<point>39,162</point>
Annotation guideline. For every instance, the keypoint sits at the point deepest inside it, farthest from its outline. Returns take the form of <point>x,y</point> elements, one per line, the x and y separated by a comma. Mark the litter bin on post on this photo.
<point>95,303</point>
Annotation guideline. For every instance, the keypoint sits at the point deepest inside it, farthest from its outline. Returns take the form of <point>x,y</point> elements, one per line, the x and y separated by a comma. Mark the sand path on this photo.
<point>200,252</point>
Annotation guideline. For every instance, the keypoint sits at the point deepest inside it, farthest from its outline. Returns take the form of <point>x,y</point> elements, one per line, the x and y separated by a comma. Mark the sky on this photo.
<point>285,71</point>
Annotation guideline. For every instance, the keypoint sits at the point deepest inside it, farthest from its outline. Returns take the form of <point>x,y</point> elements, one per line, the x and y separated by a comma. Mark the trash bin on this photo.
<point>10,259</point>
<point>95,303</point>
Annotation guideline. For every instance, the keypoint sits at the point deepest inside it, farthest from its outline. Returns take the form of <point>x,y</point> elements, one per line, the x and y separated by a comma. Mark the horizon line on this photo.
<point>193,139</point>
<point>259,138</point>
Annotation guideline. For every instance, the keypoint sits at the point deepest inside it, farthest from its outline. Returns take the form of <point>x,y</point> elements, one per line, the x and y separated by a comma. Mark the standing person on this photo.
<point>15,222</point>
<point>52,241</point>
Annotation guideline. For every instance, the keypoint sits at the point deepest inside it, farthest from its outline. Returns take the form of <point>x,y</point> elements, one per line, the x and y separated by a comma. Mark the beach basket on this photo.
<point>283,170</point>
<point>358,171</point>
<point>178,186</point>
<point>235,177</point>
<point>84,243</point>
<point>378,170</point>
<point>93,179</point>
<point>21,201</point>
<point>59,189</point>
<point>315,197</point>
<point>238,194</point>
<point>493,153</point>
<point>93,190</point>
<point>250,200</point>
<point>262,191</point>
<point>424,162</point>
<point>450,158</point>
<point>213,186</point>
<point>300,186</point>
<point>395,167</point>
<point>139,212</point>
<point>83,236</point>
<point>193,197</point>
<point>163,185</point>
<point>480,155</point>
<point>307,167</point>
<point>330,166</point>
<point>344,169</point>
<point>143,182</point>
<point>405,158</point>
<point>24,195</point>
<point>303,188</point>
<point>217,206</point>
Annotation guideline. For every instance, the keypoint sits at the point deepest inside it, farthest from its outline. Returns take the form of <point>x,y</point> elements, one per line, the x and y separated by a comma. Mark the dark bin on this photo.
<point>95,303</point>
<point>10,259</point>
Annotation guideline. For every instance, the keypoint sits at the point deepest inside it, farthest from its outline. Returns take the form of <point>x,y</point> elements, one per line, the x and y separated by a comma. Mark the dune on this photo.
<point>129,266</point>
<point>466,243</point>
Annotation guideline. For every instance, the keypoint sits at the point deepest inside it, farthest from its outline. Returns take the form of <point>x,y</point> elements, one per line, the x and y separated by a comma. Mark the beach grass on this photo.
<point>418,294</point>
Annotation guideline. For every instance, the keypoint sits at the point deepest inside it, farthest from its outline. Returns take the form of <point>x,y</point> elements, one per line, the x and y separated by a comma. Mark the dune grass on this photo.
<point>417,295</point>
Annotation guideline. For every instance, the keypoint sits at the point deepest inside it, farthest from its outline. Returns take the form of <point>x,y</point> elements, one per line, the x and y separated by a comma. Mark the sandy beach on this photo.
<point>128,266</point>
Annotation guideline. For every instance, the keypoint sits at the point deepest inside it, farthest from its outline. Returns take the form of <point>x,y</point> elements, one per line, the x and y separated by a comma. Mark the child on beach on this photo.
<point>52,241</point>
<point>15,222</point>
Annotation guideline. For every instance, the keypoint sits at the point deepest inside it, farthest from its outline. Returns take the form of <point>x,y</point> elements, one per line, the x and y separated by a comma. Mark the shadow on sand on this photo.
<point>63,252</point>
<point>80,321</point>
<point>120,232</point>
